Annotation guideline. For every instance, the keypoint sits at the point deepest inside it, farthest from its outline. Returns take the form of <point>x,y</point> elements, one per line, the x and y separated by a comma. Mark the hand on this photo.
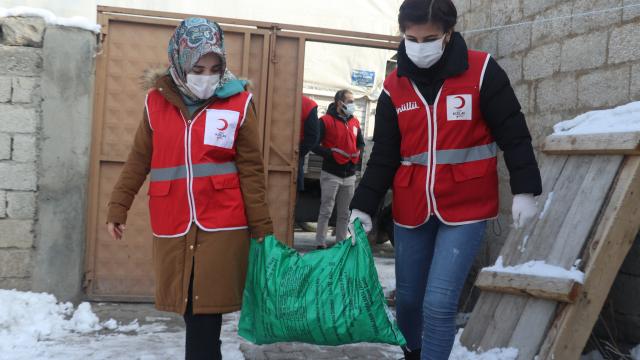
<point>115,230</point>
<point>260,239</point>
<point>365,220</point>
<point>524,209</point>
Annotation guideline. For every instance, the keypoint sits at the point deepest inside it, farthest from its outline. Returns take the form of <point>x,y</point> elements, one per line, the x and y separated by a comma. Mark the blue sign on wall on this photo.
<point>363,78</point>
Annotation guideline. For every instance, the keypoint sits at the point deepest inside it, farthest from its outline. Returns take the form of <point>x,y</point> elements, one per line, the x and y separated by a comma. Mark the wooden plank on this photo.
<point>546,227</point>
<point>250,23</point>
<point>579,192</point>
<point>566,244</point>
<point>94,160</point>
<point>542,287</point>
<point>551,169</point>
<point>590,199</point>
<point>606,252</point>
<point>611,143</point>
<point>531,328</point>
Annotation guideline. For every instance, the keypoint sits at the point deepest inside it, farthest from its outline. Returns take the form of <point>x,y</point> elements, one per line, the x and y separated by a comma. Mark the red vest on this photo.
<point>341,137</point>
<point>193,172</point>
<point>448,154</point>
<point>307,105</point>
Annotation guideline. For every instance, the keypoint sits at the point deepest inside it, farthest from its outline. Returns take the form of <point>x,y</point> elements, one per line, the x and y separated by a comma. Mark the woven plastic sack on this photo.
<point>326,297</point>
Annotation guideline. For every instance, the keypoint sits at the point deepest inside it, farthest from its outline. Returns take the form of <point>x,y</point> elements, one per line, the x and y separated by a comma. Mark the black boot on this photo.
<point>411,355</point>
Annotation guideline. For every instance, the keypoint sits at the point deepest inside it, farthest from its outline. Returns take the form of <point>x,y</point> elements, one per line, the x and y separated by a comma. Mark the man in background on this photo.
<point>341,144</point>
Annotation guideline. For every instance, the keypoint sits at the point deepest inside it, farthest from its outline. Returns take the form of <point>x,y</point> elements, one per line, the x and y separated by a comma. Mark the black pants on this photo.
<point>203,333</point>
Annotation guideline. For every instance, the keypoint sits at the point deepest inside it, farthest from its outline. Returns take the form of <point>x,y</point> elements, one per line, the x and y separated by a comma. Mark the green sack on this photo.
<point>326,297</point>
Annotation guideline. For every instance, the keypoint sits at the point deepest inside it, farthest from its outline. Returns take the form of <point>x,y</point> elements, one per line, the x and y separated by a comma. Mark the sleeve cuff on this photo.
<point>117,214</point>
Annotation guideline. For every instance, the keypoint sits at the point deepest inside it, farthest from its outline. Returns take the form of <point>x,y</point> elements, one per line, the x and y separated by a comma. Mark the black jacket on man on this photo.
<point>329,164</point>
<point>311,136</point>
<point>500,108</point>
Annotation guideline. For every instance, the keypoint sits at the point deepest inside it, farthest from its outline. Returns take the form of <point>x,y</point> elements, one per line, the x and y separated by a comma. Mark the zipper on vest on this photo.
<point>189,164</point>
<point>431,155</point>
<point>433,151</point>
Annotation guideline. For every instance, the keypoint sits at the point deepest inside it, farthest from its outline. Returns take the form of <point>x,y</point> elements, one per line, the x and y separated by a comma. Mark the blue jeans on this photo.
<point>432,264</point>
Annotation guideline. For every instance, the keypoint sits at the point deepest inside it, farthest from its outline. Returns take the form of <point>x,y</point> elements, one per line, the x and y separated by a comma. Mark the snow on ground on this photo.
<point>51,18</point>
<point>36,326</point>
<point>621,119</point>
<point>459,352</point>
<point>594,355</point>
<point>635,353</point>
<point>386,274</point>
<point>539,268</point>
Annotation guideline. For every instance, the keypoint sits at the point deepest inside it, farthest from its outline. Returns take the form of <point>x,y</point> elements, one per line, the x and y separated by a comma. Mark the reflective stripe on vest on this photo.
<point>345,154</point>
<point>199,170</point>
<point>455,156</point>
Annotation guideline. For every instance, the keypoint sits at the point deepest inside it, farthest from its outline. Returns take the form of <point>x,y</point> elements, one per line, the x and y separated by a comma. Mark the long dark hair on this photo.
<point>441,12</point>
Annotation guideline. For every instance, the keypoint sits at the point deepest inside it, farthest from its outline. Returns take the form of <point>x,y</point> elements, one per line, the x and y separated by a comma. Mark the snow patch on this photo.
<point>460,352</point>
<point>635,353</point>
<point>594,355</point>
<point>51,18</point>
<point>28,318</point>
<point>133,326</point>
<point>84,320</point>
<point>538,268</point>
<point>523,246</point>
<point>623,118</point>
<point>546,205</point>
<point>386,274</point>
<point>110,324</point>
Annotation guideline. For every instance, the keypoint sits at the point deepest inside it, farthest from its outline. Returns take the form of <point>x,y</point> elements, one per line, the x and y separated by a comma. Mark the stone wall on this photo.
<point>46,84</point>
<point>559,68</point>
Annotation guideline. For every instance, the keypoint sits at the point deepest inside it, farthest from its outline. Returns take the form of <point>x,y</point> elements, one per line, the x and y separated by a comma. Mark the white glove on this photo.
<point>365,220</point>
<point>524,209</point>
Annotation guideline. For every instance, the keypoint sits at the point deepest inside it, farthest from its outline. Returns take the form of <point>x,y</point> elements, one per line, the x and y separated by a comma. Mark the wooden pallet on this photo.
<point>592,183</point>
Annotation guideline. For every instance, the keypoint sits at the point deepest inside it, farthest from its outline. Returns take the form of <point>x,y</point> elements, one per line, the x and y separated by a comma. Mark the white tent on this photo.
<point>328,67</point>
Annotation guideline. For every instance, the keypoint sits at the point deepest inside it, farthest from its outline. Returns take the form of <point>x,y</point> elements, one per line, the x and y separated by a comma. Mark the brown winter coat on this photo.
<point>219,259</point>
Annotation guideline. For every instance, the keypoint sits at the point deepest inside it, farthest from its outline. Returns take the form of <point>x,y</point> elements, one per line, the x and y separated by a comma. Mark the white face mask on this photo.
<point>203,86</point>
<point>349,109</point>
<point>424,55</point>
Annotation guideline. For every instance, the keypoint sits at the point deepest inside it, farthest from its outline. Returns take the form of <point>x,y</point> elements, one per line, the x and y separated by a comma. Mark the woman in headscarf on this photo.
<point>207,195</point>
<point>439,121</point>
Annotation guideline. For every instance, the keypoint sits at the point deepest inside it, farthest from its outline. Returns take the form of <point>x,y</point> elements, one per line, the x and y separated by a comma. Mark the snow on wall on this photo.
<point>51,18</point>
<point>623,118</point>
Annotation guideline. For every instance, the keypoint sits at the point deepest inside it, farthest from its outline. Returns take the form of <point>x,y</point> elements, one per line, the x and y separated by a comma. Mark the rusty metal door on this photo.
<point>270,55</point>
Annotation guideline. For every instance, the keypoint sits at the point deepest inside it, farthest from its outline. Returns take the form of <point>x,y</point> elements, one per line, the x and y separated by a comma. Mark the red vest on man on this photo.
<point>193,174</point>
<point>448,153</point>
<point>341,138</point>
<point>307,105</point>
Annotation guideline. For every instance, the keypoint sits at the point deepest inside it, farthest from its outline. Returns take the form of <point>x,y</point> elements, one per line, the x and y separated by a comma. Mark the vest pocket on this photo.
<point>470,170</point>
<point>221,182</point>
<point>403,177</point>
<point>159,188</point>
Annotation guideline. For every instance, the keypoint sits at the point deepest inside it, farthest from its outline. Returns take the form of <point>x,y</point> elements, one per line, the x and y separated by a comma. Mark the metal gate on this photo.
<point>270,55</point>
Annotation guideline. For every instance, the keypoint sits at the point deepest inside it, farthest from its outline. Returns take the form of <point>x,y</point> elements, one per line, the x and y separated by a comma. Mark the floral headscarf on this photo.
<point>194,38</point>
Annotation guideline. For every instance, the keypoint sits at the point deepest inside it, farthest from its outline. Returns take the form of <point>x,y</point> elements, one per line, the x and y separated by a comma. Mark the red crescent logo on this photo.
<point>462,102</point>
<point>225,126</point>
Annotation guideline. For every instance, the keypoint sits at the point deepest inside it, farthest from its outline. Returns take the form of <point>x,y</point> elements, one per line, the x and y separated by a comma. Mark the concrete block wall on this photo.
<point>46,96</point>
<point>564,58</point>
<point>20,120</point>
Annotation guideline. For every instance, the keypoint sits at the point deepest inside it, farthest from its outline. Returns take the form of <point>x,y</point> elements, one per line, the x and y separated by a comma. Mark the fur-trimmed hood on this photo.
<point>151,76</point>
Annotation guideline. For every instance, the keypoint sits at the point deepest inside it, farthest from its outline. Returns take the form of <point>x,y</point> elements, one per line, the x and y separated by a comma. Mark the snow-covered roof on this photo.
<point>51,18</point>
<point>625,118</point>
